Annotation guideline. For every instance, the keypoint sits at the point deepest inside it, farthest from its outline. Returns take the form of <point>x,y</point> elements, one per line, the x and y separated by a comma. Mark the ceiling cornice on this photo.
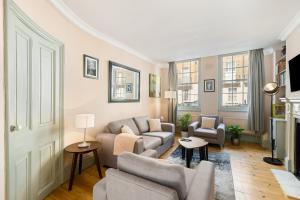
<point>75,19</point>
<point>292,25</point>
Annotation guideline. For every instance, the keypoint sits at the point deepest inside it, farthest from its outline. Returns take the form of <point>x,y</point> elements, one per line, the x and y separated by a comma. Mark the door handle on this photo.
<point>13,128</point>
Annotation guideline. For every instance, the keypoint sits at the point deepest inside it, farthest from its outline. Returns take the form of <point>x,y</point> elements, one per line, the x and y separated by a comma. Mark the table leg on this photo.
<point>189,153</point>
<point>74,162</point>
<point>206,152</point>
<point>80,163</point>
<point>97,163</point>
<point>182,152</point>
<point>200,153</point>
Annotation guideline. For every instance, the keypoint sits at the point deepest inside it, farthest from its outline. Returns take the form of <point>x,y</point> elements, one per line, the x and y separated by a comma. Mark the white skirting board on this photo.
<point>288,182</point>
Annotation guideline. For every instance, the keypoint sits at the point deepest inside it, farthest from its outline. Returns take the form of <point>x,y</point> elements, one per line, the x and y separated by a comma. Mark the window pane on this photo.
<point>227,73</point>
<point>227,85</point>
<point>235,80</point>
<point>187,83</point>
<point>226,99</point>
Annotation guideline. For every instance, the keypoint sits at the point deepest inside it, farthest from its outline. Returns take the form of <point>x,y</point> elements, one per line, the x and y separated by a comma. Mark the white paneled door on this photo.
<point>33,109</point>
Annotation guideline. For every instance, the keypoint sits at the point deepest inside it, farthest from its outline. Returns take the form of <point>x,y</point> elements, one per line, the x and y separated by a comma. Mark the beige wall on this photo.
<point>2,158</point>
<point>209,100</point>
<point>292,50</point>
<point>83,95</point>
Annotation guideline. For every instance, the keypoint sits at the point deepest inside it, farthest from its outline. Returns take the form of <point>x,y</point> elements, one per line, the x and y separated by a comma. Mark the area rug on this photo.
<point>223,174</point>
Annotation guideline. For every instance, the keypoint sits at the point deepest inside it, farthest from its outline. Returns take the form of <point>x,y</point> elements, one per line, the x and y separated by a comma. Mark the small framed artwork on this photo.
<point>154,85</point>
<point>209,85</point>
<point>90,67</point>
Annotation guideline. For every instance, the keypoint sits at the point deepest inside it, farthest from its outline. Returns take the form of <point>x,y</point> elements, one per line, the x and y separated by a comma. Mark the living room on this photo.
<point>202,95</point>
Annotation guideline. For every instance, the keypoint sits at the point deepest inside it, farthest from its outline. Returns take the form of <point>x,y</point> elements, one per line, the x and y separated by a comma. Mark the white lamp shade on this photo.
<point>85,120</point>
<point>170,94</point>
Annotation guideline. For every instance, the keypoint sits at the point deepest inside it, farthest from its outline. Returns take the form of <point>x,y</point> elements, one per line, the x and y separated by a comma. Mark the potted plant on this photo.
<point>235,132</point>
<point>184,122</point>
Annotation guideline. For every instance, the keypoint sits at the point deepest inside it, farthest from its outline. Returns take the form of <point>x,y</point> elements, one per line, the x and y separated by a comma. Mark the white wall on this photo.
<point>292,50</point>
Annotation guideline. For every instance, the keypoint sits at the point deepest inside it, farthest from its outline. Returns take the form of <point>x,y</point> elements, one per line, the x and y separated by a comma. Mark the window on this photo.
<point>188,84</point>
<point>234,82</point>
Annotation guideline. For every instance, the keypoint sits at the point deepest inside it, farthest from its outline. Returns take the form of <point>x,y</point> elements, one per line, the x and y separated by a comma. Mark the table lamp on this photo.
<point>84,121</point>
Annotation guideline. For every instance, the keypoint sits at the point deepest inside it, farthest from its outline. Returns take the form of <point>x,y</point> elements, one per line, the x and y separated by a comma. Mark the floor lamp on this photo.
<point>171,95</point>
<point>272,89</point>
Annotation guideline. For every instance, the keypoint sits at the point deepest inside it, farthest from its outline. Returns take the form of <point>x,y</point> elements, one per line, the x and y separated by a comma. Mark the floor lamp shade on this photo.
<point>170,94</point>
<point>84,121</point>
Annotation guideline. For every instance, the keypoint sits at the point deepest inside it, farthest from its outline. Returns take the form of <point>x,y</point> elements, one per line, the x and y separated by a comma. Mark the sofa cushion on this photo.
<point>169,175</point>
<point>126,129</point>
<point>189,176</point>
<point>155,125</point>
<point>99,190</point>
<point>115,126</point>
<point>164,136</point>
<point>208,122</point>
<point>151,142</point>
<point>142,123</point>
<point>208,133</point>
<point>217,122</point>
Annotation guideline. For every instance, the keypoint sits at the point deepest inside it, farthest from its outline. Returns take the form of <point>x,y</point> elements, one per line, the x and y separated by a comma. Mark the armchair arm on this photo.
<point>221,133</point>
<point>107,148</point>
<point>168,127</point>
<point>192,127</point>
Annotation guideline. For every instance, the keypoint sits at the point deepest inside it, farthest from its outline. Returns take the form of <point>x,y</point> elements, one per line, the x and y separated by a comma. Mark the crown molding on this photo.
<point>75,19</point>
<point>292,25</point>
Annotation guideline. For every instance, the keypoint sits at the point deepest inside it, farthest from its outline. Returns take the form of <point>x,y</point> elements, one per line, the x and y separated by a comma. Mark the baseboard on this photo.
<point>247,138</point>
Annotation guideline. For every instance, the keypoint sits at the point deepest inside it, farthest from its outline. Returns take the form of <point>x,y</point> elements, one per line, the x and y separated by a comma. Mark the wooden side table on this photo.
<point>75,150</point>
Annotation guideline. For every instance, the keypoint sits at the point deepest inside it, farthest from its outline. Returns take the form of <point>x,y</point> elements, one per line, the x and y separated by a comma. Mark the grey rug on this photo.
<point>223,173</point>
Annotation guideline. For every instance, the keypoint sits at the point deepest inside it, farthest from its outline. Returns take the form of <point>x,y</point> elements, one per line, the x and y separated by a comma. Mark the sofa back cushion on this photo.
<point>115,126</point>
<point>217,122</point>
<point>165,174</point>
<point>142,123</point>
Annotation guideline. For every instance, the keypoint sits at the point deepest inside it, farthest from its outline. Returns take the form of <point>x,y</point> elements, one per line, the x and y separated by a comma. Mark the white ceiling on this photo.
<point>168,30</point>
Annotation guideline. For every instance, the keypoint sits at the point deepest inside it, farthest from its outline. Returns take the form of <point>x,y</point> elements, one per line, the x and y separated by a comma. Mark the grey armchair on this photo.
<point>214,136</point>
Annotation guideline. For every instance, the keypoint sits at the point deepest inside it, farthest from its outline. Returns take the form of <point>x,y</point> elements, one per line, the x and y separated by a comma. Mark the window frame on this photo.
<point>190,108</point>
<point>237,108</point>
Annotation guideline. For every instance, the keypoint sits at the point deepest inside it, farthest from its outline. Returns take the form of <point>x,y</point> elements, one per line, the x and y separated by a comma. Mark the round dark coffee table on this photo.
<point>75,150</point>
<point>188,147</point>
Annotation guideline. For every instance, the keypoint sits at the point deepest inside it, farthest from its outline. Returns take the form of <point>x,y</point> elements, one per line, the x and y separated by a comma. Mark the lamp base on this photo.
<point>84,145</point>
<point>272,161</point>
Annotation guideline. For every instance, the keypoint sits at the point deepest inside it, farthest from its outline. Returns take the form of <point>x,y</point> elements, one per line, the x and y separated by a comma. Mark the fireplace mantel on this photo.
<point>292,113</point>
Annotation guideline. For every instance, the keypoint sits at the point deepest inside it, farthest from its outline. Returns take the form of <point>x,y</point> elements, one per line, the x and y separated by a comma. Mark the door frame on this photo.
<point>11,7</point>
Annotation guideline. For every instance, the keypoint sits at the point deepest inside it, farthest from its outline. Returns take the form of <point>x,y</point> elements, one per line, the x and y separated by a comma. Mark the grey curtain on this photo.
<point>172,108</point>
<point>255,87</point>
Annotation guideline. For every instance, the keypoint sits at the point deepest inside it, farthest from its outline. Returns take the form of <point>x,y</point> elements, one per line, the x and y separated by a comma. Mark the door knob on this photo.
<point>15,128</point>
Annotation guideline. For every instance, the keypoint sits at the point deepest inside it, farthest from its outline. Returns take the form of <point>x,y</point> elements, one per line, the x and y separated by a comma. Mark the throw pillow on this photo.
<point>126,129</point>
<point>155,125</point>
<point>208,122</point>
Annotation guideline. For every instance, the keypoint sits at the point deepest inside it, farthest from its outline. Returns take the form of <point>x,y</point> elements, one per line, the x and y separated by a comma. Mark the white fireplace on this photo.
<point>292,113</point>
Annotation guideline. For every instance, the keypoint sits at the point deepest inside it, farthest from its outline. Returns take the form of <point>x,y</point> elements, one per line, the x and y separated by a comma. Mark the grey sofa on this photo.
<point>159,141</point>
<point>139,177</point>
<point>214,136</point>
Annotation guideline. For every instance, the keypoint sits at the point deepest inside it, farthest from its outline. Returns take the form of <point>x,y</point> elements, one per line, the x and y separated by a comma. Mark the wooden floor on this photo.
<point>253,179</point>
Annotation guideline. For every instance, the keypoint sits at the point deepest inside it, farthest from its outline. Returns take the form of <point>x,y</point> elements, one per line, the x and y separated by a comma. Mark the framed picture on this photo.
<point>124,83</point>
<point>90,67</point>
<point>154,85</point>
<point>209,85</point>
<point>278,110</point>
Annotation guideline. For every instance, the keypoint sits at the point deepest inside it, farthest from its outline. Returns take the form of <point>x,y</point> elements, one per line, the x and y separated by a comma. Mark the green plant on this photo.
<point>184,121</point>
<point>235,131</point>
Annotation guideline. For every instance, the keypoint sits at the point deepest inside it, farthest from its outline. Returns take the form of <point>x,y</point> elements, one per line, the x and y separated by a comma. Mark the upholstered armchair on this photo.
<point>214,135</point>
